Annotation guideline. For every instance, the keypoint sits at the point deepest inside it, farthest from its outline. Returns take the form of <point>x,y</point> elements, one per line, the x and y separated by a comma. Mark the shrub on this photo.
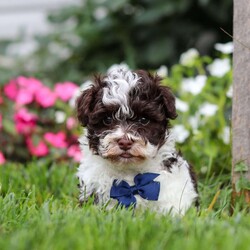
<point>203,87</point>
<point>37,121</point>
<point>145,34</point>
<point>44,124</point>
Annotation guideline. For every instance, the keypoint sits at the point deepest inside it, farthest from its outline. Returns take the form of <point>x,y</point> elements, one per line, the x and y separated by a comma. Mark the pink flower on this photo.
<point>71,123</point>
<point>32,84</point>
<point>45,97</point>
<point>65,90</point>
<point>24,97</point>
<point>2,158</point>
<point>40,149</point>
<point>11,90</point>
<point>57,140</point>
<point>75,152</point>
<point>28,87</point>
<point>25,121</point>
<point>22,89</point>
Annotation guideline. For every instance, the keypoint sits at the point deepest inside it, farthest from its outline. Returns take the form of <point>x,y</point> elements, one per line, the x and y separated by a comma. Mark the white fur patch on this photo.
<point>119,82</point>
<point>177,192</point>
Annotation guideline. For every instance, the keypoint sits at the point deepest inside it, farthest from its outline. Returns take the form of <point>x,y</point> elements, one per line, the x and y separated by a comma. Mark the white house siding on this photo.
<point>27,18</point>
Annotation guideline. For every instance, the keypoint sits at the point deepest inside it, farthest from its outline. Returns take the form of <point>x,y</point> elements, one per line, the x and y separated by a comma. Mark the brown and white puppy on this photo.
<point>126,115</point>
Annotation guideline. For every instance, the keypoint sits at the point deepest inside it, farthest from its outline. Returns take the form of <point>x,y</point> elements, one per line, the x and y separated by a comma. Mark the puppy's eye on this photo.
<point>107,120</point>
<point>143,120</point>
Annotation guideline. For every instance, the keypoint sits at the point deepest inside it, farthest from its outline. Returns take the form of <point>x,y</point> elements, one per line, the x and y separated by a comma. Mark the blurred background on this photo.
<point>49,48</point>
<point>86,36</point>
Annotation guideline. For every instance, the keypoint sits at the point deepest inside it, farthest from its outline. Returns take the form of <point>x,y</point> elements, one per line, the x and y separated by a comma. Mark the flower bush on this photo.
<point>37,121</point>
<point>203,87</point>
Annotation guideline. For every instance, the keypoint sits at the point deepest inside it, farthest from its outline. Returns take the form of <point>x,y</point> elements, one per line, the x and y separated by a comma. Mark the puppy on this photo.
<point>129,156</point>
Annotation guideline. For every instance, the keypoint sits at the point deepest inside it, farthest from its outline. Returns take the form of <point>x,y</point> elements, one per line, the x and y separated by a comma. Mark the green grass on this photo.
<point>39,210</point>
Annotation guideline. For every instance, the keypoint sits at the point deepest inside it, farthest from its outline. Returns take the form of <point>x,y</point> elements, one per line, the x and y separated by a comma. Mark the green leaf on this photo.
<point>9,126</point>
<point>115,5</point>
<point>241,167</point>
<point>242,184</point>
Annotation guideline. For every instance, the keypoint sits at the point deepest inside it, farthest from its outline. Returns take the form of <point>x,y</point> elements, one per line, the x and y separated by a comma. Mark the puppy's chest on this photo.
<point>176,188</point>
<point>171,184</point>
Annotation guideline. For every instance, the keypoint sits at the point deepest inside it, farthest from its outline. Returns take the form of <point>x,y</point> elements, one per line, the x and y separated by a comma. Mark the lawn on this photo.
<point>39,210</point>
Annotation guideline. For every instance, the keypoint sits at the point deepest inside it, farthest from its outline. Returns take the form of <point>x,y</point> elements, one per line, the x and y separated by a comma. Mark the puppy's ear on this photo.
<point>166,96</point>
<point>83,105</point>
<point>168,102</point>
<point>86,101</point>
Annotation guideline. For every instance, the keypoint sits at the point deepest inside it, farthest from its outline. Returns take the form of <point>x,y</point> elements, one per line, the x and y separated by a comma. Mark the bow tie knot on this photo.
<point>145,186</point>
<point>134,190</point>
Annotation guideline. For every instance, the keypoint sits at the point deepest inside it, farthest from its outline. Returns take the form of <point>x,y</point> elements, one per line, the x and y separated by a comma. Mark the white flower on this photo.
<point>24,48</point>
<point>204,169</point>
<point>226,135</point>
<point>100,13</point>
<point>219,67</point>
<point>60,116</point>
<point>61,51</point>
<point>188,57</point>
<point>226,48</point>
<point>194,85</point>
<point>162,71</point>
<point>180,105</point>
<point>229,93</point>
<point>180,132</point>
<point>194,122</point>
<point>208,109</point>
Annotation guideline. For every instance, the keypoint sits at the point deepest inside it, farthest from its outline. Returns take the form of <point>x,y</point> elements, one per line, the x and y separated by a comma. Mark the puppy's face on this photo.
<point>126,114</point>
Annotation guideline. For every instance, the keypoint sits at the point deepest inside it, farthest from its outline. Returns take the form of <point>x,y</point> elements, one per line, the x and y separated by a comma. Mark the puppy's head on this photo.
<point>127,115</point>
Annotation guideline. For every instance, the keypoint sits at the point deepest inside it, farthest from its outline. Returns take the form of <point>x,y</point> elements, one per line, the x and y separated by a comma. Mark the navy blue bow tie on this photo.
<point>145,186</point>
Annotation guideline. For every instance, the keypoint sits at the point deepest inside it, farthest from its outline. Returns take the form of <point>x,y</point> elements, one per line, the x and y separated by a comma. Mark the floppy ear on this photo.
<point>83,105</point>
<point>169,102</point>
<point>86,101</point>
<point>163,92</point>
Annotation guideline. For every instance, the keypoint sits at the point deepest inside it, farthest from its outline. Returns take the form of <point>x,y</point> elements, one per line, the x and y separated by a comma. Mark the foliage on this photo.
<point>203,90</point>
<point>144,34</point>
<point>38,210</point>
<point>242,183</point>
<point>37,121</point>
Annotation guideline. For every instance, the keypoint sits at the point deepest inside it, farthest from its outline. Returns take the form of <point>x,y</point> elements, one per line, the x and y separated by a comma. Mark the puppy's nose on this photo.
<point>125,144</point>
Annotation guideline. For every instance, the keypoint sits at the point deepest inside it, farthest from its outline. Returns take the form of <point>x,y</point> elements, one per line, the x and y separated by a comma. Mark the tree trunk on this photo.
<point>241,96</point>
